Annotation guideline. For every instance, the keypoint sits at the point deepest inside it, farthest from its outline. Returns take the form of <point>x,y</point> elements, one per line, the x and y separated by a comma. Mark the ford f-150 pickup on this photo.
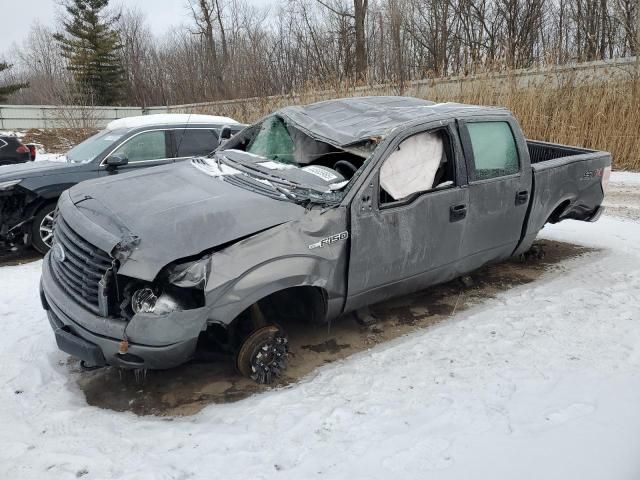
<point>312,212</point>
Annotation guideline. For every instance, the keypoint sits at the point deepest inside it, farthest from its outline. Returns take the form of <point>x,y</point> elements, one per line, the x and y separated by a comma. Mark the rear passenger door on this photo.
<point>499,189</point>
<point>193,142</point>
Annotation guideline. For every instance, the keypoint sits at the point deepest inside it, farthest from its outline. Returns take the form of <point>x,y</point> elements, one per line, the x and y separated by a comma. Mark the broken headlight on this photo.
<point>151,299</point>
<point>179,287</point>
<point>145,300</point>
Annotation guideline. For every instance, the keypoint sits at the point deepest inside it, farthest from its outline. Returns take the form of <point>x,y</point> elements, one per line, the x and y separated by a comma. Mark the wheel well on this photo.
<point>38,205</point>
<point>295,304</point>
<point>559,210</point>
<point>289,306</point>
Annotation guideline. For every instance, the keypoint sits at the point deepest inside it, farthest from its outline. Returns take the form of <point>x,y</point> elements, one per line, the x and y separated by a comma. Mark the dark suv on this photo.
<point>29,192</point>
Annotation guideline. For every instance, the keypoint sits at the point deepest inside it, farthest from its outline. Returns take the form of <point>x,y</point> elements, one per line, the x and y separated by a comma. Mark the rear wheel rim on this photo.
<point>46,229</point>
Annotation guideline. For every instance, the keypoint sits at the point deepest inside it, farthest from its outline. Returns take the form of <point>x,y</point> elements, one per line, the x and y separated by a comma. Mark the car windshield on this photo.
<point>273,141</point>
<point>284,158</point>
<point>93,146</point>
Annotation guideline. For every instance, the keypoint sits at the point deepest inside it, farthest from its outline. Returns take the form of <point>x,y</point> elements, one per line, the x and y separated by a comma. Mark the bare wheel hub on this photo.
<point>263,355</point>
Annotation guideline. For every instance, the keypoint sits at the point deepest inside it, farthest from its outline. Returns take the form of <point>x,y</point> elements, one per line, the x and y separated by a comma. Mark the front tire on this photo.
<point>263,355</point>
<point>42,228</point>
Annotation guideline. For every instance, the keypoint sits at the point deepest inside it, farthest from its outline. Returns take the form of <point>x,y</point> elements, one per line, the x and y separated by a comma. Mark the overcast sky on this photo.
<point>18,15</point>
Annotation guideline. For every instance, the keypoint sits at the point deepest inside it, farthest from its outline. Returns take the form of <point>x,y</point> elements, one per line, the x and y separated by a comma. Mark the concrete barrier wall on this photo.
<point>249,109</point>
<point>19,117</point>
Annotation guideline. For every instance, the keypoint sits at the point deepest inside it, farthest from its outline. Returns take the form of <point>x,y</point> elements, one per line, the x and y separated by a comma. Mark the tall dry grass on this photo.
<point>603,116</point>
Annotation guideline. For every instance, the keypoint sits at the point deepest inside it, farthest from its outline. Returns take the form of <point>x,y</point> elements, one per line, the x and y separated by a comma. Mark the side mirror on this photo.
<point>226,133</point>
<point>116,160</point>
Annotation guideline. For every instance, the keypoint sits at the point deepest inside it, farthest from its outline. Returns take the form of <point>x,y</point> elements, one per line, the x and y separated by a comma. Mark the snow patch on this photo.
<point>10,133</point>
<point>626,178</point>
<point>542,381</point>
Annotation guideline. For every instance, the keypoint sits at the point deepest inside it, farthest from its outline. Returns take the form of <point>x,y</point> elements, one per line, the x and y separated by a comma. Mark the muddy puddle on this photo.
<point>187,389</point>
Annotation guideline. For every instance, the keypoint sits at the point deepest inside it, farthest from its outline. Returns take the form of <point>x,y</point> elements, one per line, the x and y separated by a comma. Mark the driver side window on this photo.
<point>421,163</point>
<point>150,145</point>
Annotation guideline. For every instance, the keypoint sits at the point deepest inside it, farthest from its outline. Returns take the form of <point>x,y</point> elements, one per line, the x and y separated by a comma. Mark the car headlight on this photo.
<point>9,184</point>
<point>179,287</point>
<point>146,300</point>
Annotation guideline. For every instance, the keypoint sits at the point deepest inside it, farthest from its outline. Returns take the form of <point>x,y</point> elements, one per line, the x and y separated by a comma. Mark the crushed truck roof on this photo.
<point>347,121</point>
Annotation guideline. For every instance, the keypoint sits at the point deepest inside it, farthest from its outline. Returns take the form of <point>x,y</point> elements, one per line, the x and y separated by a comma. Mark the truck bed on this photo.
<point>542,152</point>
<point>567,183</point>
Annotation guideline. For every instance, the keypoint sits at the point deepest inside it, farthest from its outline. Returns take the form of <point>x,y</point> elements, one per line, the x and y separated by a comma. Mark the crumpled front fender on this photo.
<point>269,278</point>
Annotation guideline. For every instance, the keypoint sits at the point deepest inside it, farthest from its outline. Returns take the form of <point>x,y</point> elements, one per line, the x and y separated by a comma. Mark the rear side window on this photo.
<point>193,142</point>
<point>2,144</point>
<point>494,149</point>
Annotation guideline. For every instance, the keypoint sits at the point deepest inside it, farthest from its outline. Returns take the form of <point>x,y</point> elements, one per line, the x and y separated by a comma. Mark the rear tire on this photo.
<point>263,355</point>
<point>42,228</point>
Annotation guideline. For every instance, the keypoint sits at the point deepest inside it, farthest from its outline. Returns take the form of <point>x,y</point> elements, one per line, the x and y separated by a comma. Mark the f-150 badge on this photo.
<point>329,240</point>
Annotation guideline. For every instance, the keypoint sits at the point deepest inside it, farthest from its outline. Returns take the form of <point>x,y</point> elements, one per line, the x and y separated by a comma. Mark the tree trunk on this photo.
<point>360,14</point>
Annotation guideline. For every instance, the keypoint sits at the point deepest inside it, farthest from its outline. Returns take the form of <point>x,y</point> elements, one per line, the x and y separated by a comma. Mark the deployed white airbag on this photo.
<point>412,168</point>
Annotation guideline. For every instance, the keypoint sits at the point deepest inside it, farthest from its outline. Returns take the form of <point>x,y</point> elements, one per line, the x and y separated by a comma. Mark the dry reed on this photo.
<point>602,116</point>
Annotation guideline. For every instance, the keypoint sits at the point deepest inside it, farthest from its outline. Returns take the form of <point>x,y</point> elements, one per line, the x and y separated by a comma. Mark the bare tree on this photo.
<point>358,15</point>
<point>233,49</point>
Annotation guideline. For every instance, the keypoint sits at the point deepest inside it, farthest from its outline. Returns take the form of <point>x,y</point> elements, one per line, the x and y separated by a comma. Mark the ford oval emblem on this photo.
<point>58,253</point>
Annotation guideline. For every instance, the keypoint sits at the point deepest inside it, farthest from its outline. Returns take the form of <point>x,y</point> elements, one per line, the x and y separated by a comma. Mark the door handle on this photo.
<point>522,197</point>
<point>457,212</point>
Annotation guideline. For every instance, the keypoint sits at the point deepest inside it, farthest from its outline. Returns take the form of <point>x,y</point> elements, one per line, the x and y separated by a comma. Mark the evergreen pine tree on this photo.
<point>7,90</point>
<point>91,47</point>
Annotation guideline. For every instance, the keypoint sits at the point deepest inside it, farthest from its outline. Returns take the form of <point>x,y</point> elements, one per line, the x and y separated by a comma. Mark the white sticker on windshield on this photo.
<point>320,172</point>
<point>112,138</point>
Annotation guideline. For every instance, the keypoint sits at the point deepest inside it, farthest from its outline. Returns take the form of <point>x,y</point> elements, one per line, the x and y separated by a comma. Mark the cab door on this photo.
<point>499,189</point>
<point>401,245</point>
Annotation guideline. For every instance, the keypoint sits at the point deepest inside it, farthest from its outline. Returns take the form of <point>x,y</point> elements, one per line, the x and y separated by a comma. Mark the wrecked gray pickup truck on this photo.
<point>310,213</point>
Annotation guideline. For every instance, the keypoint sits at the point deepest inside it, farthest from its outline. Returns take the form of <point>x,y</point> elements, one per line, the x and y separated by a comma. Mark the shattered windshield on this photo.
<point>88,150</point>
<point>276,157</point>
<point>273,141</point>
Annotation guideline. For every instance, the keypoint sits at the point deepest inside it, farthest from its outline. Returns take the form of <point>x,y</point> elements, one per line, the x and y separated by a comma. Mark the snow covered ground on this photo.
<point>51,157</point>
<point>542,382</point>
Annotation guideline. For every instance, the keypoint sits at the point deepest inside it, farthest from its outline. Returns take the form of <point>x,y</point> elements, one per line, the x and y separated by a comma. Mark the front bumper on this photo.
<point>155,342</point>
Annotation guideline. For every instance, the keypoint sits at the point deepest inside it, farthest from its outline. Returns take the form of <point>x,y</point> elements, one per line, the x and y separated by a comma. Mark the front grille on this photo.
<point>81,269</point>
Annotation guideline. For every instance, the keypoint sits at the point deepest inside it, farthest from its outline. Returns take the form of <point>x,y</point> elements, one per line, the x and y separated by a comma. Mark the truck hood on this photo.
<point>151,218</point>
<point>34,169</point>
